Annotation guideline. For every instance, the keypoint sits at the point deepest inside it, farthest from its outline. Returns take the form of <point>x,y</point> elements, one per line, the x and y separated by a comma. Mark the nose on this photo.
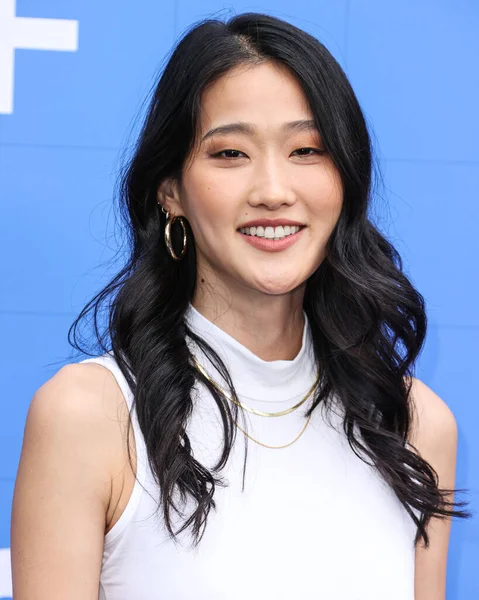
<point>271,186</point>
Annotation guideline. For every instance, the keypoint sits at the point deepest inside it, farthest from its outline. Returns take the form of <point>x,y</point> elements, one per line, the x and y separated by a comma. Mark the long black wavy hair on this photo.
<point>368,323</point>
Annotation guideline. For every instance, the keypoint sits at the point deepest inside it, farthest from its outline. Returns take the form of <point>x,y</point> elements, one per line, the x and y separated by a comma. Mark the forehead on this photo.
<point>266,94</point>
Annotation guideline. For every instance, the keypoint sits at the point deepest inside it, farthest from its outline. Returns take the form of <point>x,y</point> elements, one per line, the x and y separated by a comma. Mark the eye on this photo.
<point>310,151</point>
<point>230,151</point>
<point>232,154</point>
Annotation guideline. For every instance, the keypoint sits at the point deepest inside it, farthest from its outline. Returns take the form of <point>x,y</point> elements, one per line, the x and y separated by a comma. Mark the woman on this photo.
<point>263,336</point>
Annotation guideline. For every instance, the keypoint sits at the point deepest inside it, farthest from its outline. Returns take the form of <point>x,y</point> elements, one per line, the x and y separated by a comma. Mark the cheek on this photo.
<point>324,206</point>
<point>210,201</point>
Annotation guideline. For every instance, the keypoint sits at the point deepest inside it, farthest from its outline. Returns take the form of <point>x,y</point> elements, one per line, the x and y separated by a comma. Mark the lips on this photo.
<point>266,242</point>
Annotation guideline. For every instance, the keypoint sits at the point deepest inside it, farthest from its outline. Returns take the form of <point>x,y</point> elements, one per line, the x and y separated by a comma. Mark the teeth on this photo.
<point>271,233</point>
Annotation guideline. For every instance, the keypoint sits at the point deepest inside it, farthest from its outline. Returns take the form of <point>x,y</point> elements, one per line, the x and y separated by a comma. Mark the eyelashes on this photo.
<point>221,154</point>
<point>315,151</point>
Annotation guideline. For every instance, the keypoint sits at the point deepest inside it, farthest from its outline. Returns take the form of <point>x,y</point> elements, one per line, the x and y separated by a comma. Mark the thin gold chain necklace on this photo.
<point>276,447</point>
<point>252,410</point>
<point>227,396</point>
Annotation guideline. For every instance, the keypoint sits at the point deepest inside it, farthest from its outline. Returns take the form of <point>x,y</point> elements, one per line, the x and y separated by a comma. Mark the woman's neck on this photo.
<point>269,326</point>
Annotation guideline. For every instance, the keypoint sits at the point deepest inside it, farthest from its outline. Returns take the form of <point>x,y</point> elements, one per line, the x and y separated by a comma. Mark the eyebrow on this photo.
<point>248,129</point>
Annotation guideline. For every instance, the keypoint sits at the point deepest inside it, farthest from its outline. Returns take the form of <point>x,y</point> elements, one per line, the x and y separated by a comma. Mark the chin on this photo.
<point>280,287</point>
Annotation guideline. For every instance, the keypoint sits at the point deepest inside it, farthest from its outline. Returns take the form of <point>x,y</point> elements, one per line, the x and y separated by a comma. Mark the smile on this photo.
<point>270,233</point>
<point>271,239</point>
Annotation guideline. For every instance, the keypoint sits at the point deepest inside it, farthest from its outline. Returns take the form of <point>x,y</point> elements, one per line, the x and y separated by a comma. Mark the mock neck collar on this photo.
<point>254,378</point>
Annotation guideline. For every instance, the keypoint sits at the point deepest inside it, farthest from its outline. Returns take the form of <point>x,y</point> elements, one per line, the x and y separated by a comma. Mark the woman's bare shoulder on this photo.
<point>434,434</point>
<point>71,448</point>
<point>88,379</point>
<point>83,401</point>
<point>85,391</point>
<point>433,422</point>
<point>88,394</point>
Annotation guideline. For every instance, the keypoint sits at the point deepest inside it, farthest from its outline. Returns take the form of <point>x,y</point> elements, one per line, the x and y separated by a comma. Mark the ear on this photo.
<point>168,196</point>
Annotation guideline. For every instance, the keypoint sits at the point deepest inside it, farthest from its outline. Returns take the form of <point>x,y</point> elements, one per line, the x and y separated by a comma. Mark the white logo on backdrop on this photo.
<point>31,34</point>
<point>5,574</point>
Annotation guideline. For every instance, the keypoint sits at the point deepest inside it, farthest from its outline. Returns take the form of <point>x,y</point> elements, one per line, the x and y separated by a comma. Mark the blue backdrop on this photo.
<point>73,76</point>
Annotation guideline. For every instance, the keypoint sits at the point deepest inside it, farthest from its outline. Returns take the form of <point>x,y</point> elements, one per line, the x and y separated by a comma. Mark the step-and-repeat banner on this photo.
<point>73,76</point>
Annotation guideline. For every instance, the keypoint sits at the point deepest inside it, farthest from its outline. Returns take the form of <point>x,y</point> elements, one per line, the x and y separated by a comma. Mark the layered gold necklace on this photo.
<point>259,412</point>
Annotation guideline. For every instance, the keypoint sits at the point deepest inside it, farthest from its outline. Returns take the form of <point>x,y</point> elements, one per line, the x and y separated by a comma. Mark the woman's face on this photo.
<point>259,164</point>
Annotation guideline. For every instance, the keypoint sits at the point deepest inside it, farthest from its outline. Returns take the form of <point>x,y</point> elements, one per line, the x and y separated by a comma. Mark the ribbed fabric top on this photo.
<point>314,521</point>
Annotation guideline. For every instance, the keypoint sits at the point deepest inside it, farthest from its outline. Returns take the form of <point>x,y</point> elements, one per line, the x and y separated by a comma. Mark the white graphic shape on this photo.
<point>5,573</point>
<point>31,34</point>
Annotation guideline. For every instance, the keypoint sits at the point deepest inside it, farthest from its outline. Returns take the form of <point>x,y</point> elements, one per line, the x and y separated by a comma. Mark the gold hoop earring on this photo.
<point>169,245</point>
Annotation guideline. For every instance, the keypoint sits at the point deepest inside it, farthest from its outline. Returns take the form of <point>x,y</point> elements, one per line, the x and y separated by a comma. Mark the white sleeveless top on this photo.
<point>313,522</point>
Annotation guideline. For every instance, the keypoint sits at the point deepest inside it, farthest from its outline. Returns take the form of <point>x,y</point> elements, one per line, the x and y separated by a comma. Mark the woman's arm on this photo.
<point>434,434</point>
<point>62,490</point>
